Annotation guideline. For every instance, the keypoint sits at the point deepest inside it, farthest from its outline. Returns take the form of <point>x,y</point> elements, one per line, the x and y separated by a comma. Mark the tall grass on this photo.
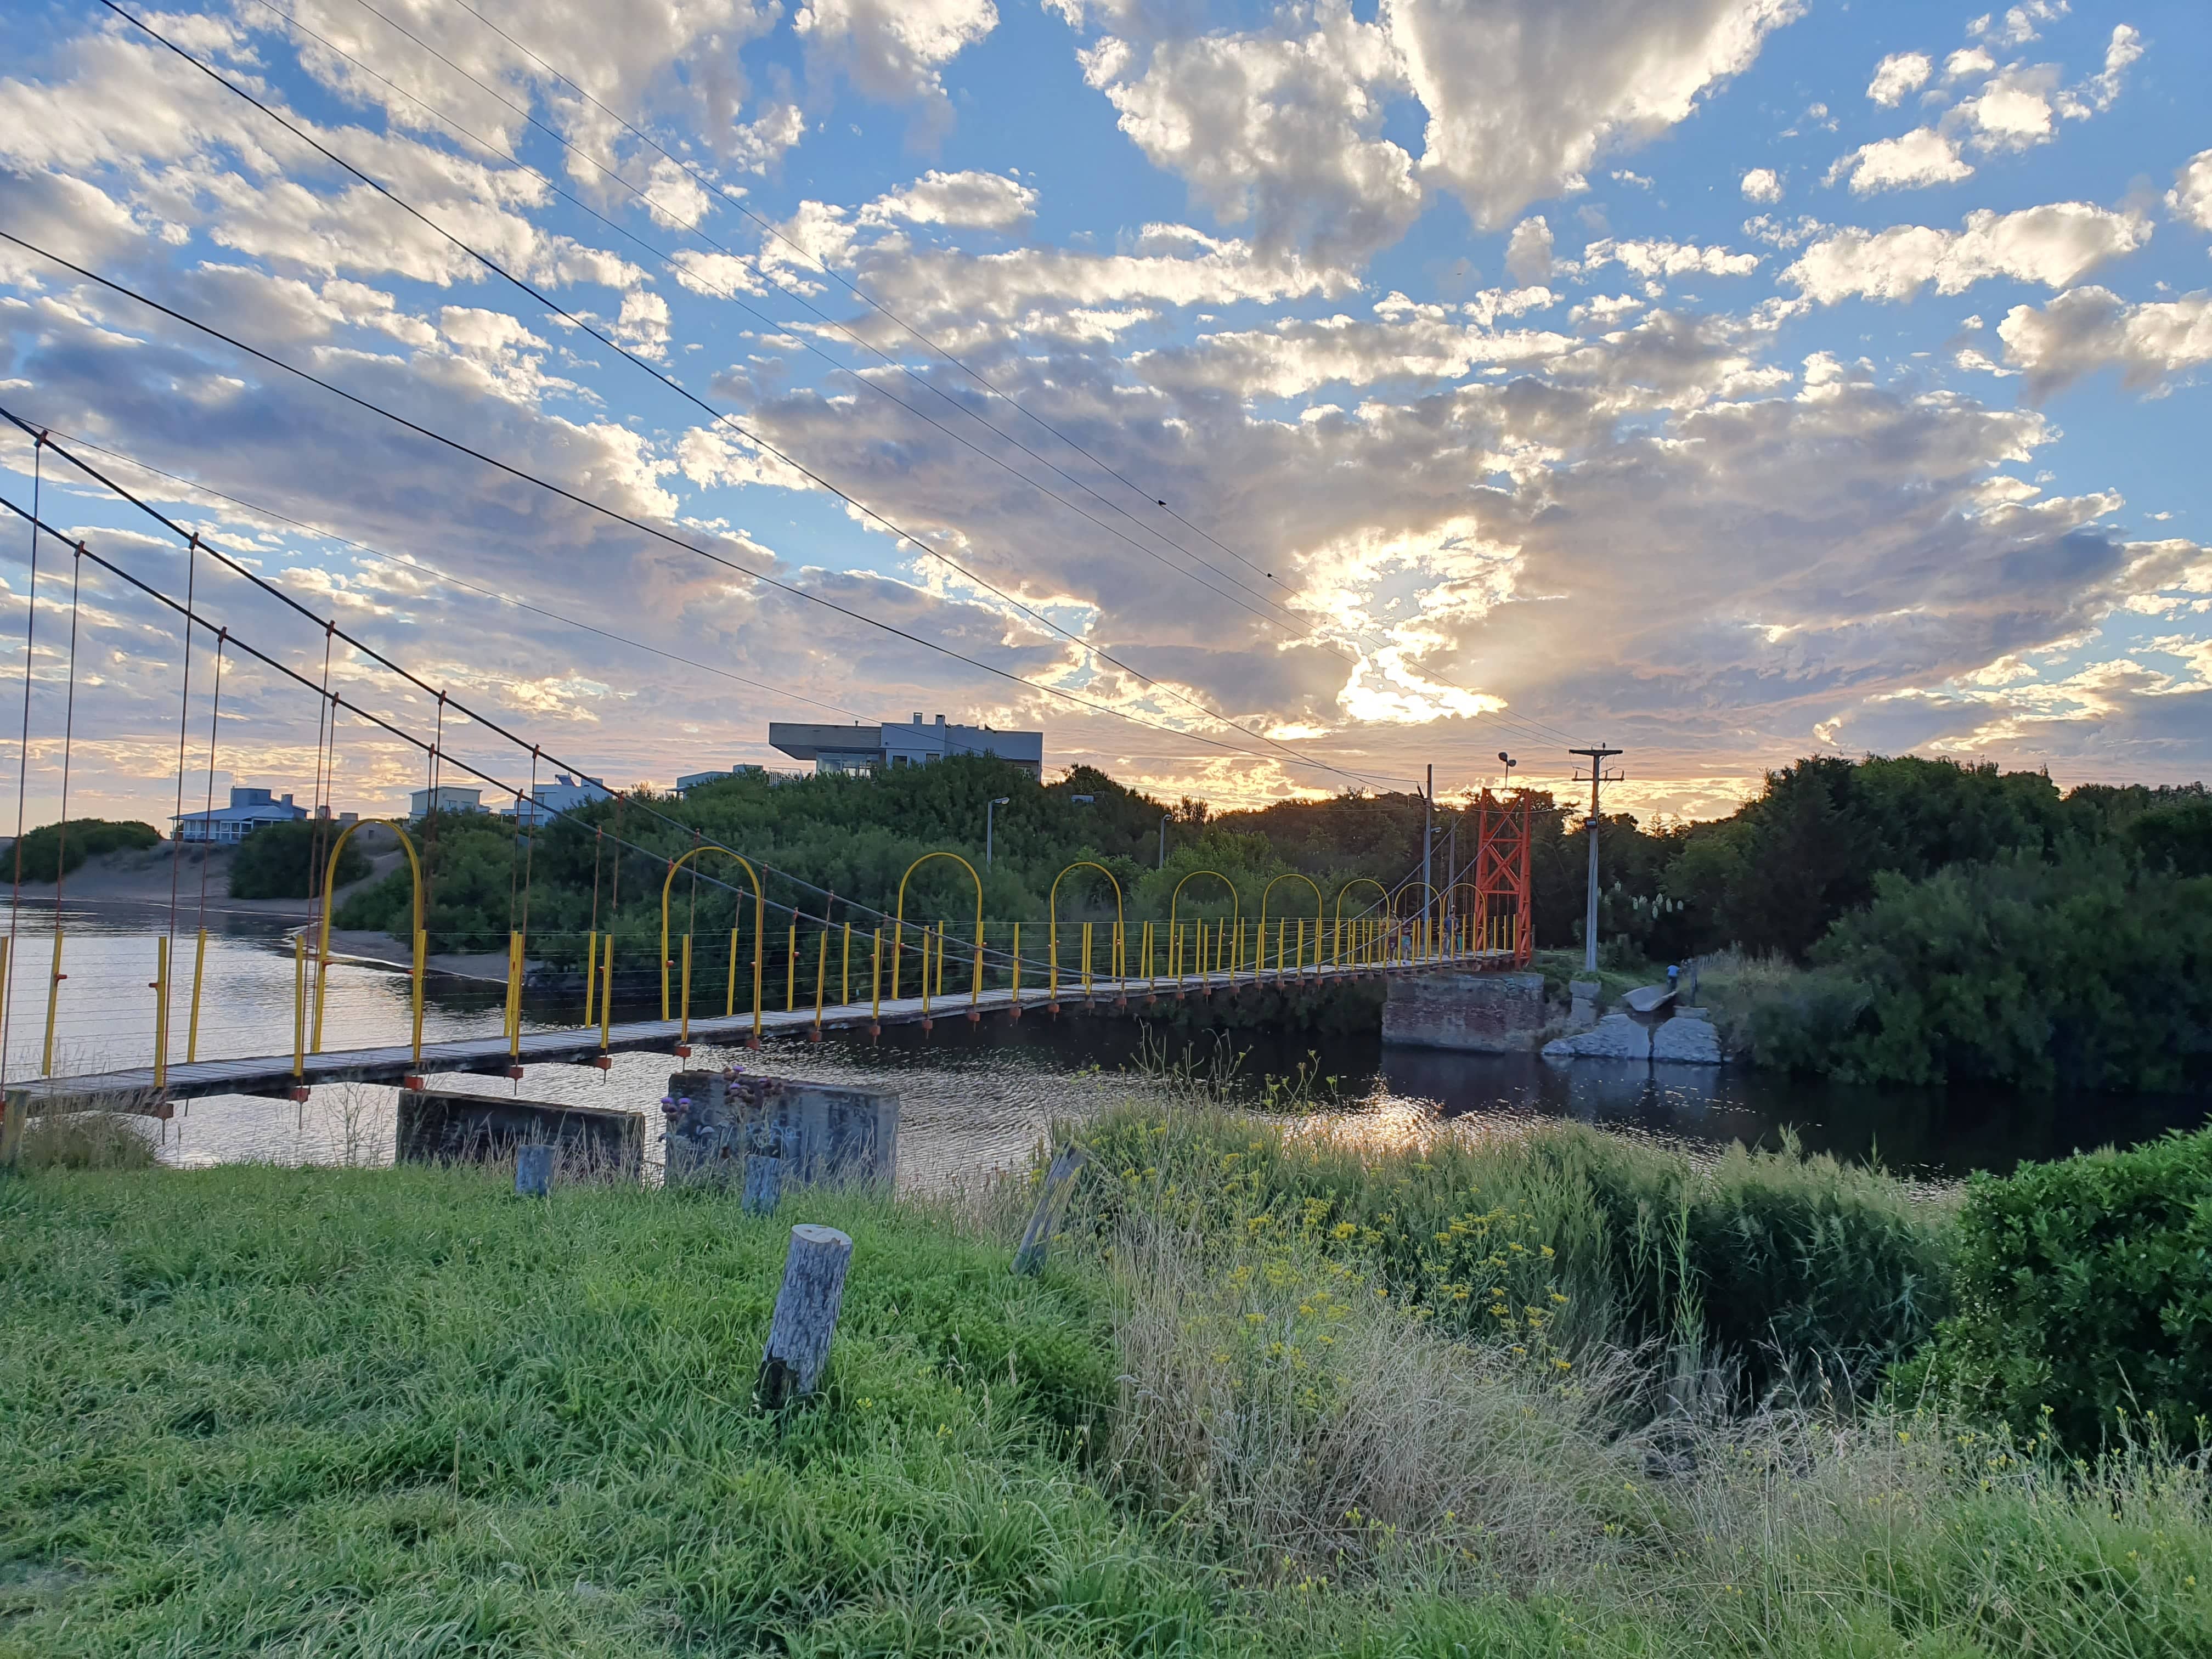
<point>268,1411</point>
<point>85,1140</point>
<point>1559,1235</point>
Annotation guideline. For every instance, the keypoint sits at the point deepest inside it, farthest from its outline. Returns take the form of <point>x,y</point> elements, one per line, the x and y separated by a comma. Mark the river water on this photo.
<point>971,1098</point>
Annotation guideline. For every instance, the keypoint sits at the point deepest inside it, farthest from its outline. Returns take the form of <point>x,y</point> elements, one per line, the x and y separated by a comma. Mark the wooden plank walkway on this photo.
<point>134,1090</point>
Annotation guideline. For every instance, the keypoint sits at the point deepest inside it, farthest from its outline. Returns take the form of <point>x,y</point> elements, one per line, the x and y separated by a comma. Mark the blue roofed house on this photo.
<point>248,811</point>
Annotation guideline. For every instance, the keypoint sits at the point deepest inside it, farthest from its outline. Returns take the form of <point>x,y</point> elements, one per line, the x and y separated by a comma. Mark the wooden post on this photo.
<point>533,1172</point>
<point>763,1183</point>
<point>805,1318</point>
<point>1030,1258</point>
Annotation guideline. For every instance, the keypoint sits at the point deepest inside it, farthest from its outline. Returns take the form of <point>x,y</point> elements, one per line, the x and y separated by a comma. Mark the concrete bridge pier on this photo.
<point>1474,1013</point>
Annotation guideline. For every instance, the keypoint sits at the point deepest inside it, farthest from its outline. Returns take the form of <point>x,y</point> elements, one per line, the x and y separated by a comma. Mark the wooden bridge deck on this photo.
<point>135,1090</point>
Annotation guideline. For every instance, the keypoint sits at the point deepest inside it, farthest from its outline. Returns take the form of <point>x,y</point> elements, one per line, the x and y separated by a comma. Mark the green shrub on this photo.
<point>287,860</point>
<point>53,850</point>
<point>2084,1289</point>
<point>2087,972</point>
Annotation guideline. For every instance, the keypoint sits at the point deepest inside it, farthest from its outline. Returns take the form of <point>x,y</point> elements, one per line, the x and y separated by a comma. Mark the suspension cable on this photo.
<point>215,735</point>
<point>23,767</point>
<point>183,718</point>
<point>68,731</point>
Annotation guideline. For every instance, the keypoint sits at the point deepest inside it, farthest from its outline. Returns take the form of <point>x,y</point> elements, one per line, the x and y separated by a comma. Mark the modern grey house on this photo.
<point>871,748</point>
<point>248,811</point>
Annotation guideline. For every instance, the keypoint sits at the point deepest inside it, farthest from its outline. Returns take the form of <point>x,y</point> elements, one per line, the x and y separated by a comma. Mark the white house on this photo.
<point>564,795</point>
<point>248,811</point>
<point>451,798</point>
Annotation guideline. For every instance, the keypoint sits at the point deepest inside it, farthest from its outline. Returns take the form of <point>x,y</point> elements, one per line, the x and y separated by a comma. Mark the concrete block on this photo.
<point>1582,994</point>
<point>437,1124</point>
<point>1472,1013</point>
<point>820,1133</point>
<point>1691,1041</point>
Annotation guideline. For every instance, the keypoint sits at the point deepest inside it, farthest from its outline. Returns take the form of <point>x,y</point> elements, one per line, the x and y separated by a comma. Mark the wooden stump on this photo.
<point>533,1172</point>
<point>1037,1236</point>
<point>805,1319</point>
<point>763,1183</point>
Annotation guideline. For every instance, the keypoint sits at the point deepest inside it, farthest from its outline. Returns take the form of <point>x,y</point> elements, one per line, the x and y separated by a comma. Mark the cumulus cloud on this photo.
<point>2190,198</point>
<point>1528,251</point>
<point>968,200</point>
<point>1908,162</point>
<point>1523,99</point>
<point>1661,258</point>
<point>1762,184</point>
<point>2053,245</point>
<point>1278,128</point>
<point>2088,329</point>
<point>1897,74</point>
<point>894,51</point>
<point>2016,108</point>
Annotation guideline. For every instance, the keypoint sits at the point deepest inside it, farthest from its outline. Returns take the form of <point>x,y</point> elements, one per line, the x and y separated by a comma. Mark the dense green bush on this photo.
<point>287,860</point>
<point>2085,1289</point>
<point>2083,973</point>
<point>2177,837</point>
<point>52,850</point>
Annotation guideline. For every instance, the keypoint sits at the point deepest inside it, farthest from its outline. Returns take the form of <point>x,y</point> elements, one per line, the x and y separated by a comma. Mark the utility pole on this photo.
<point>1428,840</point>
<point>1597,757</point>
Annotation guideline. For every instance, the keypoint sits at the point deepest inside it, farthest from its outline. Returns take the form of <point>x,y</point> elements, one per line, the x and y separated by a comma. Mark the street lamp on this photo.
<point>1165,816</point>
<point>989,807</point>
<point>1510,764</point>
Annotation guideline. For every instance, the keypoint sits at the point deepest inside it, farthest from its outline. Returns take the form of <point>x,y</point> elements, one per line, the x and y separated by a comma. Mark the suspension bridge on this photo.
<point>833,977</point>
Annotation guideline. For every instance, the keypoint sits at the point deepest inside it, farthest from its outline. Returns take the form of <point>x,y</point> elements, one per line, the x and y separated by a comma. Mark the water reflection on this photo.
<point>975,1098</point>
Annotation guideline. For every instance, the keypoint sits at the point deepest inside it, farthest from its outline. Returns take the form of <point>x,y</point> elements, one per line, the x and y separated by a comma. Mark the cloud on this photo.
<point>1908,162</point>
<point>2088,329</point>
<point>2018,26</point>
<point>968,200</point>
<point>1762,184</point>
<point>963,299</point>
<point>1528,251</point>
<point>2190,198</point>
<point>1409,342</point>
<point>894,51</point>
<point>2054,244</point>
<point>1523,99</point>
<point>1659,258</point>
<point>1897,74</point>
<point>1278,128</point>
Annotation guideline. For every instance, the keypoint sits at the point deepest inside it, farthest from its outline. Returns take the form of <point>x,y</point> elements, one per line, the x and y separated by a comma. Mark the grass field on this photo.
<point>288,1412</point>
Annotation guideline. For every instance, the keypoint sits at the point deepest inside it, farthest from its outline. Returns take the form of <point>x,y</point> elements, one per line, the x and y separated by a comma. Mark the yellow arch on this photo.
<point>1357,881</point>
<point>323,950</point>
<point>760,923</point>
<point>1236,911</point>
<point>1052,903</point>
<point>898,928</point>
<point>1408,887</point>
<point>1289,875</point>
<point>1419,939</point>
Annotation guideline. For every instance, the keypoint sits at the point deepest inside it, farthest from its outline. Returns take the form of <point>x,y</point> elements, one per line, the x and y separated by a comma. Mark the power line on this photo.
<point>330,628</point>
<point>417,567</point>
<point>579,322</point>
<point>732,297</point>
<point>777,324</point>
<point>1539,731</point>
<point>646,529</point>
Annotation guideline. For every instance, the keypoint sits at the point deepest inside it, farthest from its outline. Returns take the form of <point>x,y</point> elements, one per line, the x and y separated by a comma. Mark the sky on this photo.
<point>1262,400</point>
